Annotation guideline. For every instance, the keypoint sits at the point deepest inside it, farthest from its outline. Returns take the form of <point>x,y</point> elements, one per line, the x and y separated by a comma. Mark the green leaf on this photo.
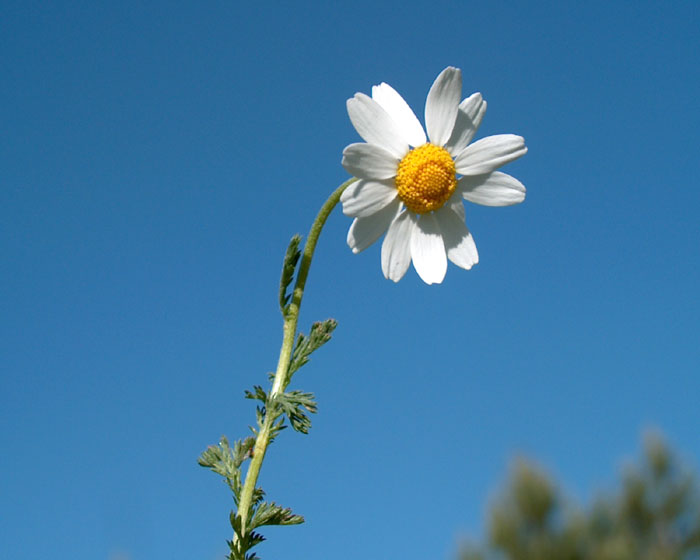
<point>276,428</point>
<point>306,345</point>
<point>257,394</point>
<point>254,539</point>
<point>291,259</point>
<point>260,513</point>
<point>260,411</point>
<point>227,462</point>
<point>258,495</point>
<point>219,458</point>
<point>269,513</point>
<point>294,404</point>
<point>243,543</point>
<point>242,450</point>
<point>224,460</point>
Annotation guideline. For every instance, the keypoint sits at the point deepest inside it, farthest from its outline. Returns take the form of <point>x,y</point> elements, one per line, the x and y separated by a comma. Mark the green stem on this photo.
<point>289,334</point>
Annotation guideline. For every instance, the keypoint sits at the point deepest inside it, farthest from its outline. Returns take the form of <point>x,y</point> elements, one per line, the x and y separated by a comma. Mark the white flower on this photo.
<point>410,188</point>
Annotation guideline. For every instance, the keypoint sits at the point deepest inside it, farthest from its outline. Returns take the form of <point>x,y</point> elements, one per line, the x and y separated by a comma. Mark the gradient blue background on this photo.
<point>155,160</point>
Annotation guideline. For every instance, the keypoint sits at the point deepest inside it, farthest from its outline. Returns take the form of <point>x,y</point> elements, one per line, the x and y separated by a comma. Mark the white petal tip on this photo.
<point>388,275</point>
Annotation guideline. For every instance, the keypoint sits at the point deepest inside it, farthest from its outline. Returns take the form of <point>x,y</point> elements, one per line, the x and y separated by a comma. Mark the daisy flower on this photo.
<point>411,186</point>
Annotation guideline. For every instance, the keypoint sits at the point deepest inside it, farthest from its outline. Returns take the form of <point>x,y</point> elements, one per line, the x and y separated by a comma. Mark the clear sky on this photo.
<point>156,157</point>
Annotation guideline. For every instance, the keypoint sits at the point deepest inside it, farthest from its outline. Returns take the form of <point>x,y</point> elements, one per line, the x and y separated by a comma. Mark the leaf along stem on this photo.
<point>289,334</point>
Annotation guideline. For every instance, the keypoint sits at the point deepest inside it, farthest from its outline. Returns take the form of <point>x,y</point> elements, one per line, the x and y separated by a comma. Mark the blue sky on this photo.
<point>157,157</point>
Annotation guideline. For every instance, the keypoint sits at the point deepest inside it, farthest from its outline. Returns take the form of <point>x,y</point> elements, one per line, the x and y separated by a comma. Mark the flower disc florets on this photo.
<point>426,178</point>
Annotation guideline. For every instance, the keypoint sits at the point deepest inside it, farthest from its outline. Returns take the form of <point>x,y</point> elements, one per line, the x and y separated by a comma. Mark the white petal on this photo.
<point>456,204</point>
<point>365,231</point>
<point>490,153</point>
<point>428,250</point>
<point>442,105</point>
<point>375,125</point>
<point>471,113</point>
<point>396,249</point>
<point>459,242</point>
<point>494,189</point>
<point>366,197</point>
<point>475,107</point>
<point>406,120</point>
<point>368,161</point>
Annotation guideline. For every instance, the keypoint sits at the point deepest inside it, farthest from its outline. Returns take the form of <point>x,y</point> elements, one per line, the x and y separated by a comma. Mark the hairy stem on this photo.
<point>289,334</point>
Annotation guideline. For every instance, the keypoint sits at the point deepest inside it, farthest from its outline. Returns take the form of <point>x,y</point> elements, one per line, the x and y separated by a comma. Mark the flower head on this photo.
<point>411,186</point>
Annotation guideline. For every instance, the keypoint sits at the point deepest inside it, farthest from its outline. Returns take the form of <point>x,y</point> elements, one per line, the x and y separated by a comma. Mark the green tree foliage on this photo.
<point>655,515</point>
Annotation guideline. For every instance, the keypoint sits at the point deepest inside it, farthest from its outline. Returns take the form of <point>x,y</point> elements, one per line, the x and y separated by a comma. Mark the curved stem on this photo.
<point>289,334</point>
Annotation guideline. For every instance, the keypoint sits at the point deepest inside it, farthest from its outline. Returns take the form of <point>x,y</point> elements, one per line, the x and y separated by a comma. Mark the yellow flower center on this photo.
<point>426,178</point>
